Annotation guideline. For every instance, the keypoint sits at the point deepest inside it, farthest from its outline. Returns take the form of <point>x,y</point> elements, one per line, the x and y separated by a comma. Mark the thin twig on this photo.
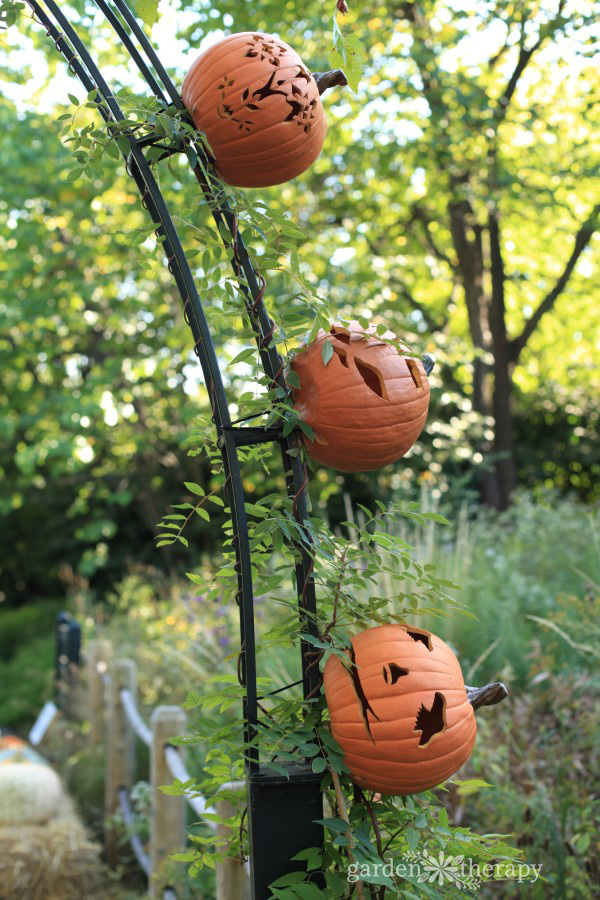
<point>341,803</point>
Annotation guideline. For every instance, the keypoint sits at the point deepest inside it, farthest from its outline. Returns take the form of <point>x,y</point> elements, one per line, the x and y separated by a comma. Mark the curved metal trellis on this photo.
<point>269,795</point>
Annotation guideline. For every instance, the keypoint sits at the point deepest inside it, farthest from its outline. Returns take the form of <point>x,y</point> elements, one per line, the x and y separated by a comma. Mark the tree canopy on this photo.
<point>453,201</point>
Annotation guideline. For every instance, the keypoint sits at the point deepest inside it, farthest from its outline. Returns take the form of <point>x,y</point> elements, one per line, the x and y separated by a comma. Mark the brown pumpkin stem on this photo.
<point>341,804</point>
<point>486,696</point>
<point>326,80</point>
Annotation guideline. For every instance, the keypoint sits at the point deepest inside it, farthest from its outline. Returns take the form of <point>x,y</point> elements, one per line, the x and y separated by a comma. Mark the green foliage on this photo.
<point>349,54</point>
<point>10,10</point>
<point>533,560</point>
<point>538,751</point>
<point>26,661</point>
<point>21,624</point>
<point>27,681</point>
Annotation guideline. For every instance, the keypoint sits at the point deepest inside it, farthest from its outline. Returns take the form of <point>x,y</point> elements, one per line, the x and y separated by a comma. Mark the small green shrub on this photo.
<point>27,682</point>
<point>20,625</point>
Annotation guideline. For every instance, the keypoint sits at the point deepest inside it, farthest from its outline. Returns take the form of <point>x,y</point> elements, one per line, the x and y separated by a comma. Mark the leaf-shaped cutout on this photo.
<point>431,721</point>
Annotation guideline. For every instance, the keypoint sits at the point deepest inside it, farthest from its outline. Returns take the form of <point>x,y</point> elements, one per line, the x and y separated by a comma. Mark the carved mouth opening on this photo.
<point>372,378</point>
<point>420,636</point>
<point>415,374</point>
<point>431,721</point>
<point>392,672</point>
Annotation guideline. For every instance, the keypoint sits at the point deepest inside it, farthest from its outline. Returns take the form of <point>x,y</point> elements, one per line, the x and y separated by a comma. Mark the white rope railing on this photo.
<point>134,717</point>
<point>113,712</point>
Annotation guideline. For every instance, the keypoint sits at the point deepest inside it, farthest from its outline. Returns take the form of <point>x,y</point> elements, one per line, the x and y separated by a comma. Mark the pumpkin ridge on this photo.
<point>286,157</point>
<point>410,717</point>
<point>431,761</point>
<point>248,138</point>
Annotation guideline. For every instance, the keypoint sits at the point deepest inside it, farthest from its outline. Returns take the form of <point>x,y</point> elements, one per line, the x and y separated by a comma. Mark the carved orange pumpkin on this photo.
<point>401,713</point>
<point>367,406</point>
<point>259,107</point>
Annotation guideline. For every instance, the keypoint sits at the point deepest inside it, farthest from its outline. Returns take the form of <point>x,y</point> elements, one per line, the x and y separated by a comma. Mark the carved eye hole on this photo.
<point>422,637</point>
<point>415,374</point>
<point>371,378</point>
<point>341,354</point>
<point>431,721</point>
<point>342,336</point>
<point>395,672</point>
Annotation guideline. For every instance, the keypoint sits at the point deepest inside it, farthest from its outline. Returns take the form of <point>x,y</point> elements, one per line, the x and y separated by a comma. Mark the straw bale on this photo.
<point>54,861</point>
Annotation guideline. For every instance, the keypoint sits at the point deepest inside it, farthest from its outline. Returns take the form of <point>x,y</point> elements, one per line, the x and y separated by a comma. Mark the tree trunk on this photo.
<point>505,469</point>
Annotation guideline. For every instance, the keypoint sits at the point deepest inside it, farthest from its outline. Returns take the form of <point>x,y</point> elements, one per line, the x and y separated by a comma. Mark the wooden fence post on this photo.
<point>167,817</point>
<point>96,664</point>
<point>120,749</point>
<point>231,875</point>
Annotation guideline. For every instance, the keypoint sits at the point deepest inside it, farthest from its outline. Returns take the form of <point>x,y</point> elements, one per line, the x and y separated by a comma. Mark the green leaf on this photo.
<point>412,837</point>
<point>327,352</point>
<point>124,145</point>
<point>352,58</point>
<point>319,764</point>
<point>194,488</point>
<point>293,379</point>
<point>147,10</point>
<point>73,99</point>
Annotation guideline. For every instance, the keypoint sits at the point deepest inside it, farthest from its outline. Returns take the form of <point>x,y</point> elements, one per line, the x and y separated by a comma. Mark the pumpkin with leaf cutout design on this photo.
<point>259,107</point>
<point>400,711</point>
<point>367,404</point>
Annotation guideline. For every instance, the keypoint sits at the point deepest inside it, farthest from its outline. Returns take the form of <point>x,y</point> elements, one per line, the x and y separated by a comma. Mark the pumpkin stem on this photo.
<point>428,363</point>
<point>486,696</point>
<point>326,80</point>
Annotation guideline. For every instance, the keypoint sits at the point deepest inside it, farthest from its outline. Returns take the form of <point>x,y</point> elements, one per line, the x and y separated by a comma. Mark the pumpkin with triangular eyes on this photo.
<point>367,404</point>
<point>400,711</point>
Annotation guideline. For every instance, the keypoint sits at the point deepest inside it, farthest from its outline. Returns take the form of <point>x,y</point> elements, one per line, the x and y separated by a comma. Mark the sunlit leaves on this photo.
<point>147,10</point>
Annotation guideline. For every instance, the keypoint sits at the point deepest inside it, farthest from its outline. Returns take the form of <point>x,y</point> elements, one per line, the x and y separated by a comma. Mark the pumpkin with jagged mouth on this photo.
<point>400,710</point>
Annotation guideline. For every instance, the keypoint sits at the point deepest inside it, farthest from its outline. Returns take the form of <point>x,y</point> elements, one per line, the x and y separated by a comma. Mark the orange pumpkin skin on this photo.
<point>387,757</point>
<point>259,107</point>
<point>367,406</point>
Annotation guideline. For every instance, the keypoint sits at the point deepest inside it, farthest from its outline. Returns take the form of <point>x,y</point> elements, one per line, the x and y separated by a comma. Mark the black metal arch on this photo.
<point>269,796</point>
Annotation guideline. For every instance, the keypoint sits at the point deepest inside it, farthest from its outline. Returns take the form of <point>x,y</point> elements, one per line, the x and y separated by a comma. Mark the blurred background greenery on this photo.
<point>453,201</point>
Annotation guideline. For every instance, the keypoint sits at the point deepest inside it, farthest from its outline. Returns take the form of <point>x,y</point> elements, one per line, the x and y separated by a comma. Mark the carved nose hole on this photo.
<point>341,354</point>
<point>342,336</point>
<point>415,374</point>
<point>395,672</point>
<point>431,721</point>
<point>371,378</point>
